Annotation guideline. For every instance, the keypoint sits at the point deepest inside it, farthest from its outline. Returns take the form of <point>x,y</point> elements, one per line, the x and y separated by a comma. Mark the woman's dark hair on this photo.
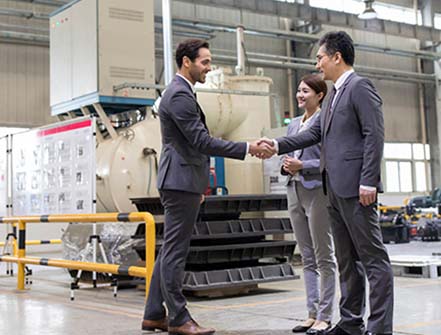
<point>316,83</point>
<point>189,48</point>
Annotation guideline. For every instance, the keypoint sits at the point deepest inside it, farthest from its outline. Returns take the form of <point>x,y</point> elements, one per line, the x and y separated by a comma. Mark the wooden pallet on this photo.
<point>416,266</point>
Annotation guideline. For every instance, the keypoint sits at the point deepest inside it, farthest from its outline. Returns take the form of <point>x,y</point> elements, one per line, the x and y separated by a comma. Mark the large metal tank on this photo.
<point>127,166</point>
<point>238,117</point>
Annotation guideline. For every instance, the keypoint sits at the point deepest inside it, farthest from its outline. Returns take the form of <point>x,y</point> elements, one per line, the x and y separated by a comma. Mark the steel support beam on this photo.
<point>325,16</point>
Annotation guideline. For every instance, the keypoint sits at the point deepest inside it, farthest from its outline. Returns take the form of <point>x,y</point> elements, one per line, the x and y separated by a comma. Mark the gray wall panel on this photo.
<point>400,108</point>
<point>24,83</point>
<point>230,16</point>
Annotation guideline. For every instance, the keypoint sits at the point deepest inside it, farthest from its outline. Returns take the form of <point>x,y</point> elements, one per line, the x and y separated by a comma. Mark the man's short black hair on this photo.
<point>339,41</point>
<point>189,48</point>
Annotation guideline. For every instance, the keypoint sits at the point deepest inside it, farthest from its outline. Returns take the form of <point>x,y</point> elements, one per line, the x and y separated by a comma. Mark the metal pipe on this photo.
<point>198,89</point>
<point>268,56</point>
<point>373,72</point>
<point>37,242</point>
<point>297,36</point>
<point>219,26</point>
<point>45,2</point>
<point>21,253</point>
<point>240,47</point>
<point>289,72</point>
<point>167,39</point>
<point>99,217</point>
<point>299,63</point>
<point>188,34</point>
<point>20,27</point>
<point>27,14</point>
<point>135,271</point>
<point>14,35</point>
<point>309,65</point>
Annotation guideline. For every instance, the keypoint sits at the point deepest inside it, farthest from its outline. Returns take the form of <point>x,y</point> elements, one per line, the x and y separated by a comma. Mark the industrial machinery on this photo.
<point>394,223</point>
<point>97,45</point>
<point>105,67</point>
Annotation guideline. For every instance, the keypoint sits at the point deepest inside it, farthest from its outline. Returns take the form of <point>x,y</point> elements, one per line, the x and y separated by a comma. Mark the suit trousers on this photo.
<point>309,218</point>
<point>360,252</point>
<point>180,213</point>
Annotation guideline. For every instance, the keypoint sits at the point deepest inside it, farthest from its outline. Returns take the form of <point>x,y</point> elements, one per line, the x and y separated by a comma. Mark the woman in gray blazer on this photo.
<point>308,212</point>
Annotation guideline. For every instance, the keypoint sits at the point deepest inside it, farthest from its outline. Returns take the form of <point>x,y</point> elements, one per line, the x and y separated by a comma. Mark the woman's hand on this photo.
<point>292,165</point>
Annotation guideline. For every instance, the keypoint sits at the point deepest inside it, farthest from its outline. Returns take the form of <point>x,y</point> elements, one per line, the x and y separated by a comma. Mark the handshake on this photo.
<point>263,148</point>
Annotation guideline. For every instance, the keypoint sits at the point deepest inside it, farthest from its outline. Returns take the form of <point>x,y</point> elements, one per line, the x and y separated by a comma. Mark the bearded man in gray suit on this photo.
<point>183,177</point>
<point>351,132</point>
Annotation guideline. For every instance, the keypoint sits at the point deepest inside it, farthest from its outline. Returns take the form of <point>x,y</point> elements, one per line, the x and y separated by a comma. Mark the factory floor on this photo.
<point>45,308</point>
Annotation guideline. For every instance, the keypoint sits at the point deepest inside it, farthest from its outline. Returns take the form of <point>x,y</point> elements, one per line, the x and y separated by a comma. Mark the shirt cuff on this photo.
<point>368,188</point>
<point>276,145</point>
<point>248,149</point>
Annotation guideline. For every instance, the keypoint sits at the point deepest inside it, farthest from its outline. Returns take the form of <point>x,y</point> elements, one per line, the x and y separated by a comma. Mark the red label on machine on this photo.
<point>61,129</point>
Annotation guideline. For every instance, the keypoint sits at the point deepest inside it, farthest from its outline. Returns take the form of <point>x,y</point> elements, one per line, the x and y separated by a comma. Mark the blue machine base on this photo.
<point>110,104</point>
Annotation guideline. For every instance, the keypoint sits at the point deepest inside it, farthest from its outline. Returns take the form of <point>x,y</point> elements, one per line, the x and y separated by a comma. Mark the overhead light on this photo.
<point>369,12</point>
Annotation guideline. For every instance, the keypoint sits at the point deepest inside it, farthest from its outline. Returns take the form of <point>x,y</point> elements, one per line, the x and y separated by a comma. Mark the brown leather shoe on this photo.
<point>190,328</point>
<point>155,324</point>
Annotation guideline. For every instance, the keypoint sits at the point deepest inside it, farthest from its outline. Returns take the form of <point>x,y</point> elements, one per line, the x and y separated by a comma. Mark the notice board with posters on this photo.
<point>53,169</point>
<point>4,203</point>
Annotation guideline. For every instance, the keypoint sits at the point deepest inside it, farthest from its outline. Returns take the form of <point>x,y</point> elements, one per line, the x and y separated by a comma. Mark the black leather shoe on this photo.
<point>301,329</point>
<point>370,333</point>
<point>334,331</point>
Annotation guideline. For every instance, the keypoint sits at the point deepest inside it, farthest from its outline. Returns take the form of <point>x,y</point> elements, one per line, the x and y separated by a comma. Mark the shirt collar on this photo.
<point>341,80</point>
<point>188,81</point>
<point>304,122</point>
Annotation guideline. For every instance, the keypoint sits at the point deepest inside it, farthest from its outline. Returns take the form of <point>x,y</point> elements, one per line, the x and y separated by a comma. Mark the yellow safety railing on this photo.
<point>37,242</point>
<point>135,271</point>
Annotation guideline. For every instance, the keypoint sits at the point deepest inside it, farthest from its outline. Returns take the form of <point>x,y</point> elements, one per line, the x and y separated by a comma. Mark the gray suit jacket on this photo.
<point>310,175</point>
<point>186,144</point>
<point>352,141</point>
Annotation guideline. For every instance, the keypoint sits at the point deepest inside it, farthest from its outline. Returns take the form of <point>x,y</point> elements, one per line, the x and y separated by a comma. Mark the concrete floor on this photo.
<point>274,309</point>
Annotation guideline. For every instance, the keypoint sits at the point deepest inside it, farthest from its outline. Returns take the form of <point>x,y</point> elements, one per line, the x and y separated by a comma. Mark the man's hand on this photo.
<point>202,198</point>
<point>292,165</point>
<point>367,197</point>
<point>262,149</point>
<point>266,140</point>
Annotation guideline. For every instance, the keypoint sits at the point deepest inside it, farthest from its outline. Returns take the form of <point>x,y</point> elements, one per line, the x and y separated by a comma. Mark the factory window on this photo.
<point>406,167</point>
<point>385,11</point>
<point>347,6</point>
<point>437,21</point>
<point>397,13</point>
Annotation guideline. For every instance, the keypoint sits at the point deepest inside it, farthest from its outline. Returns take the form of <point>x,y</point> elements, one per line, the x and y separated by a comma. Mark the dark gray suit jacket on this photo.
<point>352,141</point>
<point>310,175</point>
<point>186,144</point>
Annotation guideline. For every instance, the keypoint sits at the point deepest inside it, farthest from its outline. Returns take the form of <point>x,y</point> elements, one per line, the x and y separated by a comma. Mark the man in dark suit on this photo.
<point>351,132</point>
<point>183,177</point>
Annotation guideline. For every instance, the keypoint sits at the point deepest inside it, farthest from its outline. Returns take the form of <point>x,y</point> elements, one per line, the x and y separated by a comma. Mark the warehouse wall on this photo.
<point>24,70</point>
<point>24,85</point>
<point>401,112</point>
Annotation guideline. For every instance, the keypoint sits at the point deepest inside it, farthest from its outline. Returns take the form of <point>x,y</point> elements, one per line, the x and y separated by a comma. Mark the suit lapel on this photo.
<point>337,99</point>
<point>198,107</point>
<point>295,130</point>
<point>201,113</point>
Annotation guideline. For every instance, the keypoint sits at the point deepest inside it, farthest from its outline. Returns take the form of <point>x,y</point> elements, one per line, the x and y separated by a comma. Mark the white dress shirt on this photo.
<point>338,85</point>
